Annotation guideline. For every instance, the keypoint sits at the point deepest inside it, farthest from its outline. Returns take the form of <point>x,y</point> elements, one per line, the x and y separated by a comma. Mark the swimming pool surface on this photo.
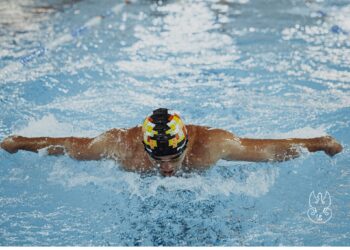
<point>261,69</point>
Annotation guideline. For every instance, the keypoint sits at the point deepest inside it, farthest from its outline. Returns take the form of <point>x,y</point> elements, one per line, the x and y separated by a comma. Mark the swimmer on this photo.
<point>163,143</point>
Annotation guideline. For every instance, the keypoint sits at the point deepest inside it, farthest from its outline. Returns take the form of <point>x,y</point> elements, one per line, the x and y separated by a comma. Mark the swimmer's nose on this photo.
<point>166,165</point>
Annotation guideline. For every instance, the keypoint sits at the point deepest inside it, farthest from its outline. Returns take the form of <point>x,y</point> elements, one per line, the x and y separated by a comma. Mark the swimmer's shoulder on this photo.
<point>117,131</point>
<point>124,143</point>
<point>125,135</point>
<point>204,148</point>
<point>194,129</point>
<point>114,132</point>
<point>206,131</point>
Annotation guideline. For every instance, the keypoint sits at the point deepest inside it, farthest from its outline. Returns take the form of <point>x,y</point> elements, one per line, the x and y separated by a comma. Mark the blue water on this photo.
<point>261,69</point>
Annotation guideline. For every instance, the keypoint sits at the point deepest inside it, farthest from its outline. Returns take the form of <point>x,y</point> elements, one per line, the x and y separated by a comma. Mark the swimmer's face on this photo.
<point>168,165</point>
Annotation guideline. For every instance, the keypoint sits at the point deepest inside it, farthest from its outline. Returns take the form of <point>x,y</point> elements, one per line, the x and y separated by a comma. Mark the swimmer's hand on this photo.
<point>11,144</point>
<point>330,146</point>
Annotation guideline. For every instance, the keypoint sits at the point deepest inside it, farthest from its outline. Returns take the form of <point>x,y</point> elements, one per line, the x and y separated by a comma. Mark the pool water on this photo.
<point>260,69</point>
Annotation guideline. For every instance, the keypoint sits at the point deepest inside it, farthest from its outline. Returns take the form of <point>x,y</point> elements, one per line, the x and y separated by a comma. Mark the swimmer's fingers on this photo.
<point>331,146</point>
<point>10,144</point>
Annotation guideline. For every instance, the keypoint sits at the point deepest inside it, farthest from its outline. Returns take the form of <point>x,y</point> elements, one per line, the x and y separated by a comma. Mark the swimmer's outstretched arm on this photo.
<point>77,148</point>
<point>263,150</point>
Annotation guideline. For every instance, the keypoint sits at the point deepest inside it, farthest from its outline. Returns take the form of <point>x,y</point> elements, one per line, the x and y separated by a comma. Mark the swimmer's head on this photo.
<point>164,137</point>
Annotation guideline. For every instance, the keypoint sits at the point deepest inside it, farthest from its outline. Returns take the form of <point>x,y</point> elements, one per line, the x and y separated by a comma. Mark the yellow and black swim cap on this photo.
<point>164,134</point>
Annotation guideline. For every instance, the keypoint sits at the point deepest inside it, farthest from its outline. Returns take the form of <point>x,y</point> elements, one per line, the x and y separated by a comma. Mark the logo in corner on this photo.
<point>319,208</point>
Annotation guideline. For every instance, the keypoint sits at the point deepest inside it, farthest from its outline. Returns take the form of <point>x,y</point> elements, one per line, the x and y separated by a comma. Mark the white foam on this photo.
<point>43,152</point>
<point>69,176</point>
<point>49,126</point>
<point>93,21</point>
<point>108,176</point>
<point>8,70</point>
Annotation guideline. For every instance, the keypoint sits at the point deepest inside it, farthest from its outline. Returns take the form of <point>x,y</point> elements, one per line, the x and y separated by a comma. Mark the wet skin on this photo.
<point>205,147</point>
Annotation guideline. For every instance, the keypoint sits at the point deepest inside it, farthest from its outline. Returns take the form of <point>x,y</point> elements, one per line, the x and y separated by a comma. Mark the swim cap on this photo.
<point>164,134</point>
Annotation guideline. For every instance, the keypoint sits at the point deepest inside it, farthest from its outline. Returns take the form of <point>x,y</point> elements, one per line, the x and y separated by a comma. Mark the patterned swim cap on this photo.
<point>164,134</point>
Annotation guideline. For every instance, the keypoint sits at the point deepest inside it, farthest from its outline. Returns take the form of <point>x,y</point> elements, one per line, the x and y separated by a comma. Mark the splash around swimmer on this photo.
<point>165,144</point>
